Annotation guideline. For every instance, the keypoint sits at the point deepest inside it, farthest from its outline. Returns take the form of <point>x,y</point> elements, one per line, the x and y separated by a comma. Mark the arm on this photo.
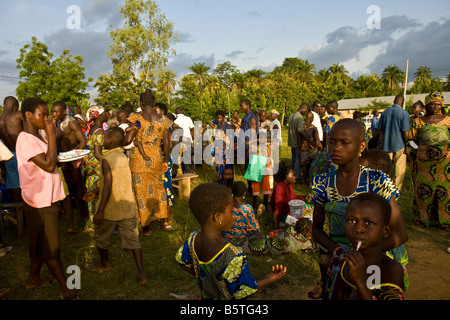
<point>166,148</point>
<point>107,186</point>
<point>75,127</point>
<point>47,161</point>
<point>398,234</point>
<point>318,234</point>
<point>277,273</point>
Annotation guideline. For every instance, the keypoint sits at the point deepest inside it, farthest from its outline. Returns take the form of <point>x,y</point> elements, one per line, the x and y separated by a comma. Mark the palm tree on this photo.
<point>338,72</point>
<point>392,75</point>
<point>424,73</point>
<point>166,84</point>
<point>201,78</point>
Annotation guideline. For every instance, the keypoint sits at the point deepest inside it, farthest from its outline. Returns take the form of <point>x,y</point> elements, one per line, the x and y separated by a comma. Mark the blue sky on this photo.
<point>249,33</point>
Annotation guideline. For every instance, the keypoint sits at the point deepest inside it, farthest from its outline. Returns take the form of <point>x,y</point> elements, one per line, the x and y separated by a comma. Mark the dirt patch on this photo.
<point>428,268</point>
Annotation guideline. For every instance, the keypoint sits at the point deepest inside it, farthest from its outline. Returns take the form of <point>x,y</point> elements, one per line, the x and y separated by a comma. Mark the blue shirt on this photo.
<point>393,122</point>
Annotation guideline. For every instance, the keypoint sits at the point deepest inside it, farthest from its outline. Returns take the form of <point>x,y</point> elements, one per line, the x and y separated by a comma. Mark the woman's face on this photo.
<point>434,107</point>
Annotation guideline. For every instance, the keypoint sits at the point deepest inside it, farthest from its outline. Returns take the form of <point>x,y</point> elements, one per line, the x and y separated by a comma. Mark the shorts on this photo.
<point>265,186</point>
<point>12,173</point>
<point>127,228</point>
<point>43,225</point>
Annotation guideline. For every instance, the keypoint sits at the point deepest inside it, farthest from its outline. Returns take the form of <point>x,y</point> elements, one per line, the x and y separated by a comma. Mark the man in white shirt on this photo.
<point>185,123</point>
<point>316,122</point>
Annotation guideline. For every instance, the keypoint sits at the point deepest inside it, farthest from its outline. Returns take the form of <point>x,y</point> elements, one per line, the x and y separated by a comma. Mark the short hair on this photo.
<point>9,102</point>
<point>61,104</point>
<point>147,98</point>
<point>220,113</point>
<point>420,103</point>
<point>30,105</point>
<point>283,170</point>
<point>375,199</point>
<point>208,199</point>
<point>161,106</point>
<point>170,116</point>
<point>127,107</point>
<point>116,134</point>
<point>352,123</point>
<point>357,114</point>
<point>378,159</point>
<point>238,189</point>
<point>246,102</point>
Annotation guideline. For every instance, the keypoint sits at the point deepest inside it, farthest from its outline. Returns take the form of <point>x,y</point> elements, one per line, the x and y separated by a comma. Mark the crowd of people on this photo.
<point>124,183</point>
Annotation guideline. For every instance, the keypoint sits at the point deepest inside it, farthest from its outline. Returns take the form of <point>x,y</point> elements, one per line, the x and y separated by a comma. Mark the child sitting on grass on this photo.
<point>117,207</point>
<point>283,193</point>
<point>221,269</point>
<point>366,226</point>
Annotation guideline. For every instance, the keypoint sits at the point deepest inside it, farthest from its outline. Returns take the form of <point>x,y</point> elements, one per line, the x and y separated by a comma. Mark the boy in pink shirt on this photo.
<point>42,190</point>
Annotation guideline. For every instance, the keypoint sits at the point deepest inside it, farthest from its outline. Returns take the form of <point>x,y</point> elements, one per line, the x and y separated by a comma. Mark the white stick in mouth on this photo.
<point>359,245</point>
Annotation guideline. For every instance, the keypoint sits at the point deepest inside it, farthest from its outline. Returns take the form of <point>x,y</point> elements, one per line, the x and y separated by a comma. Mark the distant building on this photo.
<point>348,106</point>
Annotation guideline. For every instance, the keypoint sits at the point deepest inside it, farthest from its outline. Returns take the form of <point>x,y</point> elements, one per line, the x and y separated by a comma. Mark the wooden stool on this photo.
<point>184,185</point>
<point>15,215</point>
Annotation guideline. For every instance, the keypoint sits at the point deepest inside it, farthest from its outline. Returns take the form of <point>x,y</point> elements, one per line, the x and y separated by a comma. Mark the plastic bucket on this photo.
<point>296,208</point>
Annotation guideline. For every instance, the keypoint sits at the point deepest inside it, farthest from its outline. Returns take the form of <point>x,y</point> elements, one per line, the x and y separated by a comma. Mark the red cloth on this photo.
<point>279,201</point>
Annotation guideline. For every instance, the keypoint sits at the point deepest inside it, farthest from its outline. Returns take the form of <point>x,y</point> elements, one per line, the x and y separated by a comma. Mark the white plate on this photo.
<point>72,155</point>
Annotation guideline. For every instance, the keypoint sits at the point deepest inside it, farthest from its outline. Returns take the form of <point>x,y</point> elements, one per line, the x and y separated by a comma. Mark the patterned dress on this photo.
<point>227,276</point>
<point>147,175</point>
<point>245,223</point>
<point>93,172</point>
<point>431,171</point>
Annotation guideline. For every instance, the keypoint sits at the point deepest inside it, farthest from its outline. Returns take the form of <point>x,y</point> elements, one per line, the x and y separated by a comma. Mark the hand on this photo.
<point>49,128</point>
<point>278,272</point>
<point>89,196</point>
<point>98,218</point>
<point>357,265</point>
<point>308,197</point>
<point>165,167</point>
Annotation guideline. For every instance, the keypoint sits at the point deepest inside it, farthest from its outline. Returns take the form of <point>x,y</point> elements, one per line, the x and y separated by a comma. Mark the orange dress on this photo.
<point>147,175</point>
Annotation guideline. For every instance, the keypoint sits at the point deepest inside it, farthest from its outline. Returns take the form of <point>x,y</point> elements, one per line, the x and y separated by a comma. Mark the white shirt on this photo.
<point>186,124</point>
<point>316,122</point>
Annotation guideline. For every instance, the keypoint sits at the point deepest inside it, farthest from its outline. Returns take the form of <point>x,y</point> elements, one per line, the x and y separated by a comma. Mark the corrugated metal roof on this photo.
<point>352,104</point>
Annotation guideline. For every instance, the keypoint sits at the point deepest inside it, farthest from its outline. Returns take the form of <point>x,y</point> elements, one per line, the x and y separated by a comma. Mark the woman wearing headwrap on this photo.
<point>147,171</point>
<point>95,118</point>
<point>432,165</point>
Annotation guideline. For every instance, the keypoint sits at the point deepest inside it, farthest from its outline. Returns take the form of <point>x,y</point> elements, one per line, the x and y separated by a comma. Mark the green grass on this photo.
<point>165,276</point>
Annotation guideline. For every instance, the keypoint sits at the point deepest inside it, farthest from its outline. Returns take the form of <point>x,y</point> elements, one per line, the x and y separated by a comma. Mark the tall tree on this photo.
<point>423,73</point>
<point>140,48</point>
<point>224,72</point>
<point>50,79</point>
<point>392,75</point>
<point>200,77</point>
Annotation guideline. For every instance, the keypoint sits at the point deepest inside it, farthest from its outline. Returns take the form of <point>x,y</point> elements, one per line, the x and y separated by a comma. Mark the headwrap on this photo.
<point>275,112</point>
<point>434,96</point>
<point>91,115</point>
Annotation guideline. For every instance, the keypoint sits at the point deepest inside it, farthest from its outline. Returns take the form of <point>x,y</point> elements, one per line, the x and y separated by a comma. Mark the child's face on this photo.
<point>364,222</point>
<point>107,141</point>
<point>262,116</point>
<point>344,144</point>
<point>39,116</point>
<point>290,177</point>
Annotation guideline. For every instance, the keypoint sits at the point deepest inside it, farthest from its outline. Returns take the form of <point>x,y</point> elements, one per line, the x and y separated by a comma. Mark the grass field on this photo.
<point>166,279</point>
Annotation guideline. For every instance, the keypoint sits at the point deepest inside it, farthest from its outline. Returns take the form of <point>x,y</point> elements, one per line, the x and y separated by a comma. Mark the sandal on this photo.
<point>91,267</point>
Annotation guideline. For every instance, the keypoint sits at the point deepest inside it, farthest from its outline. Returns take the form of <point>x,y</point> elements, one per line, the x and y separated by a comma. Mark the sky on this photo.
<point>251,34</point>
